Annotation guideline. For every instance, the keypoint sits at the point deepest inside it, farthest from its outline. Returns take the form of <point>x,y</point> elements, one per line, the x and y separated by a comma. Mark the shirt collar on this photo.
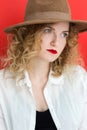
<point>56,80</point>
<point>26,81</point>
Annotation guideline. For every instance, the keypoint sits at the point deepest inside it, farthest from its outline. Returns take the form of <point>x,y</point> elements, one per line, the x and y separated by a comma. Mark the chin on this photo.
<point>49,58</point>
<point>52,60</point>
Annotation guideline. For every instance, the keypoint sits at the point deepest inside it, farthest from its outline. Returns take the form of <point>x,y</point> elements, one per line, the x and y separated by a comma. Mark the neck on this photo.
<point>39,69</point>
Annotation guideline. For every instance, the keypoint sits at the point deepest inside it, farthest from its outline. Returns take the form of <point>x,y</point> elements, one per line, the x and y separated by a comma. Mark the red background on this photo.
<point>12,11</point>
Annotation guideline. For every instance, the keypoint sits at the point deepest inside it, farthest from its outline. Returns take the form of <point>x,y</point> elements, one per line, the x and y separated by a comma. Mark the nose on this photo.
<point>53,40</point>
<point>52,43</point>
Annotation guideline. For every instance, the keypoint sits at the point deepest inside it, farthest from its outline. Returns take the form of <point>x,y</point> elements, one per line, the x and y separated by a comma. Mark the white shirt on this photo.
<point>66,97</point>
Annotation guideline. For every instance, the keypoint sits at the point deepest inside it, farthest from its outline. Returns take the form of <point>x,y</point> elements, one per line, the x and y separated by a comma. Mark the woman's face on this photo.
<point>53,40</point>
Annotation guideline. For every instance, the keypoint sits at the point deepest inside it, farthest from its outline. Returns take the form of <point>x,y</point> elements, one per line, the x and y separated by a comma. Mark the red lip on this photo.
<point>52,51</point>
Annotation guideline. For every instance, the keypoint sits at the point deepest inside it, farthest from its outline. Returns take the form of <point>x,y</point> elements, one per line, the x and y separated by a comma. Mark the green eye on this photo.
<point>47,30</point>
<point>64,34</point>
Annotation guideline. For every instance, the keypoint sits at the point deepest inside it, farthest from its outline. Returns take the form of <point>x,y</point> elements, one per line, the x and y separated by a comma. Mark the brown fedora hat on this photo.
<point>48,11</point>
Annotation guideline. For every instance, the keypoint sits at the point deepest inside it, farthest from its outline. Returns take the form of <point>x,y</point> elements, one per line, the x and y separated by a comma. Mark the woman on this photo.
<point>43,87</point>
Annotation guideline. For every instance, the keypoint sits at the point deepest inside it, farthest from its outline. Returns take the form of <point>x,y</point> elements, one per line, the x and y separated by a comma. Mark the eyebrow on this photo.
<point>50,27</point>
<point>66,31</point>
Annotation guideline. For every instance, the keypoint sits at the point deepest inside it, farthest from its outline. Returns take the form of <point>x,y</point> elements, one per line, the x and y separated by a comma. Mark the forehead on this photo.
<point>64,25</point>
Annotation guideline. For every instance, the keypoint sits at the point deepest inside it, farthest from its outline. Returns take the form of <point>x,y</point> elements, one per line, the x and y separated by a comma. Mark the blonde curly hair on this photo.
<point>25,45</point>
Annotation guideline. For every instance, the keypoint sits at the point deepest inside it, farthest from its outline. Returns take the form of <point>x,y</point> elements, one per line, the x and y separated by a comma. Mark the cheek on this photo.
<point>46,39</point>
<point>61,47</point>
<point>44,43</point>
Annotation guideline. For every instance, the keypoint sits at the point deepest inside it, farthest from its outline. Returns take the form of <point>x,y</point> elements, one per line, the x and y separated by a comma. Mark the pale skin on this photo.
<point>53,37</point>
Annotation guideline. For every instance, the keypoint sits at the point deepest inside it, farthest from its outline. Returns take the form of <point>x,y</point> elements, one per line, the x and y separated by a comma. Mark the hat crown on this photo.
<point>48,11</point>
<point>38,9</point>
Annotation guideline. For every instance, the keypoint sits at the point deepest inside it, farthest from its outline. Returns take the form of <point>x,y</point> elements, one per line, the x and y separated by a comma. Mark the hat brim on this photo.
<point>79,24</point>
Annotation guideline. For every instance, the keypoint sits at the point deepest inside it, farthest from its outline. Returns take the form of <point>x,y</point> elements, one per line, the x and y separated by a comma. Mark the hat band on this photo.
<point>48,15</point>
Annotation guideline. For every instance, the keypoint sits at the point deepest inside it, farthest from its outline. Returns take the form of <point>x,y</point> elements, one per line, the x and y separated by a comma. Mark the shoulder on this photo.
<point>71,74</point>
<point>81,74</point>
<point>8,88</point>
<point>6,76</point>
<point>75,80</point>
<point>80,70</point>
<point>1,73</point>
<point>7,82</point>
<point>76,72</point>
